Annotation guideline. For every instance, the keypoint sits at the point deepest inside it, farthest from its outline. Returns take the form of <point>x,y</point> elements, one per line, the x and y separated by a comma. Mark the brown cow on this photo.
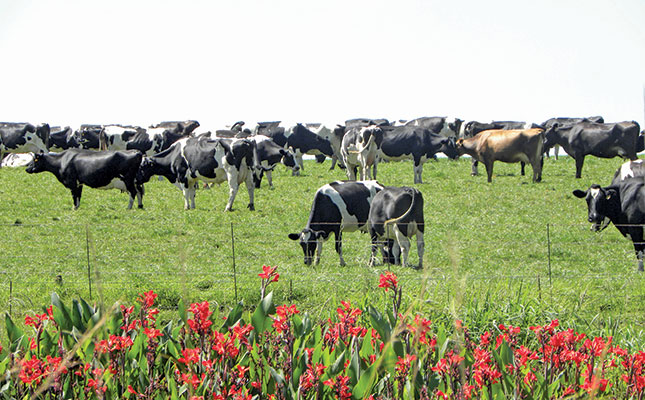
<point>509,146</point>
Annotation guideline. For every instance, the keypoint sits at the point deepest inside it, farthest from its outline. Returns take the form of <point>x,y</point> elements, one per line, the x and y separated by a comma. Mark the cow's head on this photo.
<point>309,241</point>
<point>371,134</point>
<point>601,202</point>
<point>449,148</point>
<point>146,170</point>
<point>37,164</point>
<point>88,138</point>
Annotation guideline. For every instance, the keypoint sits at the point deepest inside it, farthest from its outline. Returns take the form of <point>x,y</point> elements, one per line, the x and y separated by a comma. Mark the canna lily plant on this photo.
<point>82,351</point>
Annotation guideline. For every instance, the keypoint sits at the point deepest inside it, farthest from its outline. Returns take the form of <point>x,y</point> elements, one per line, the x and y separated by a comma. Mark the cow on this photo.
<point>19,137</point>
<point>298,138</point>
<point>96,169</point>
<point>443,126</point>
<point>62,139</point>
<point>396,213</point>
<point>269,154</point>
<point>334,134</point>
<point>89,136</point>
<point>363,122</point>
<point>154,140</point>
<point>115,137</point>
<point>559,121</point>
<point>509,146</point>
<point>360,149</point>
<point>416,143</point>
<point>191,159</point>
<point>337,207</point>
<point>623,203</point>
<point>590,138</point>
<point>184,128</point>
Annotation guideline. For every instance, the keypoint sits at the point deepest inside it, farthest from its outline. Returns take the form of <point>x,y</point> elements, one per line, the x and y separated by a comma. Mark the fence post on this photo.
<point>233,252</point>
<point>548,241</point>
<point>87,251</point>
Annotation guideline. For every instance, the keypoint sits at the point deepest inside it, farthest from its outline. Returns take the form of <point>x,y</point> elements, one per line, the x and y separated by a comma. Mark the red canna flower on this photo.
<point>147,298</point>
<point>201,322</point>
<point>189,356</point>
<point>388,281</point>
<point>269,273</point>
<point>152,333</point>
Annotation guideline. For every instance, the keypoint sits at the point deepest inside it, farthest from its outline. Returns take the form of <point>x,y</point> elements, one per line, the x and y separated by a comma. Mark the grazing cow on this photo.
<point>396,214</point>
<point>298,138</point>
<point>590,138</point>
<point>440,125</point>
<point>62,139</point>
<point>23,138</point>
<point>270,154</point>
<point>182,127</point>
<point>334,134</point>
<point>337,207</point>
<point>416,143</point>
<point>623,203</point>
<point>559,121</point>
<point>360,149</point>
<point>508,146</point>
<point>102,170</point>
<point>210,160</point>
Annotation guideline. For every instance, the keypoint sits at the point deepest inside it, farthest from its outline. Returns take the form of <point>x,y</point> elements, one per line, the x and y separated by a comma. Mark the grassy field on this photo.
<point>511,251</point>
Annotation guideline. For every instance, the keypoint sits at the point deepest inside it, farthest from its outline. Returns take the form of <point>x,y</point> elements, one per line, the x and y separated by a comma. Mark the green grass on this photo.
<point>486,255</point>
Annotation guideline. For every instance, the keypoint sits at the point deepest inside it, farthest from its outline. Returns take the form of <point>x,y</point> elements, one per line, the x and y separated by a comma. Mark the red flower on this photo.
<point>201,322</point>
<point>152,333</point>
<point>388,281</point>
<point>269,272</point>
<point>189,356</point>
<point>147,298</point>
<point>131,390</point>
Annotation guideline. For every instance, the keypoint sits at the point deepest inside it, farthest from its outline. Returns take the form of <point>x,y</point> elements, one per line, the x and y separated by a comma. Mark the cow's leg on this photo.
<point>339,246</point>
<point>636,235</point>
<point>473,168</point>
<point>489,170</point>
<point>556,149</point>
<point>580,160</point>
<point>351,172</point>
<point>375,246</point>
<point>300,164</point>
<point>537,169</point>
<point>319,248</point>
<point>522,166</point>
<point>333,162</point>
<point>404,244</point>
<point>418,173</point>
<point>77,191</point>
<point>250,187</point>
<point>186,191</point>
<point>269,179</point>
<point>420,248</point>
<point>140,193</point>
<point>233,187</point>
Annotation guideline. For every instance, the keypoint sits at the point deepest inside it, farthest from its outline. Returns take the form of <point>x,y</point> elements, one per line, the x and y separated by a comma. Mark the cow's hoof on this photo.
<point>251,207</point>
<point>140,207</point>
<point>228,209</point>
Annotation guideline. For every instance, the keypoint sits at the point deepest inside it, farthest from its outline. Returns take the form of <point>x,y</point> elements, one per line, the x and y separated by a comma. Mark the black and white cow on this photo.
<point>443,126</point>
<point>154,140</point>
<point>560,121</point>
<point>89,136</point>
<point>416,143</point>
<point>96,169</point>
<point>337,207</point>
<point>396,214</point>
<point>116,137</point>
<point>269,155</point>
<point>360,150</point>
<point>590,138</point>
<point>363,122</point>
<point>183,128</point>
<point>334,134</point>
<point>623,204</point>
<point>297,138</point>
<point>17,137</point>
<point>62,139</point>
<point>192,159</point>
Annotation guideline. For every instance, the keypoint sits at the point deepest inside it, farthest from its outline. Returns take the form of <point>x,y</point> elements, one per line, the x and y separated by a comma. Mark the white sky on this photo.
<point>140,62</point>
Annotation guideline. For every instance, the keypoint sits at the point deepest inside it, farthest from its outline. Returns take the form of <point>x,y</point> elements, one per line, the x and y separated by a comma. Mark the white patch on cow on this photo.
<point>115,183</point>
<point>594,192</point>
<point>626,169</point>
<point>17,160</point>
<point>527,125</point>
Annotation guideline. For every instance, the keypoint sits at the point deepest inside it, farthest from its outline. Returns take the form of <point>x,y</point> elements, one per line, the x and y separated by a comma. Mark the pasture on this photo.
<point>511,251</point>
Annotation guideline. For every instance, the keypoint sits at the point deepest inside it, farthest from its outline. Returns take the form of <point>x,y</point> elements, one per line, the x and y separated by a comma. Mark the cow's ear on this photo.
<point>579,193</point>
<point>609,193</point>
<point>294,236</point>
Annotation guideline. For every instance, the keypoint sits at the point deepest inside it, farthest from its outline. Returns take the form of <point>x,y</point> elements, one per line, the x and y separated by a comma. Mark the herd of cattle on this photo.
<point>126,157</point>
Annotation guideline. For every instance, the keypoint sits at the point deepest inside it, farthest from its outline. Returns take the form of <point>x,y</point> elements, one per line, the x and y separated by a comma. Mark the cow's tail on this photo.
<point>103,145</point>
<point>412,192</point>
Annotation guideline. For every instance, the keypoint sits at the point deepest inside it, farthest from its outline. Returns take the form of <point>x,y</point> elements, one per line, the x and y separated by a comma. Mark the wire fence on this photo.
<point>120,260</point>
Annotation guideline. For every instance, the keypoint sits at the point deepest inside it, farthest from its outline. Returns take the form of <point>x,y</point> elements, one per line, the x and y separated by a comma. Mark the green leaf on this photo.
<point>61,313</point>
<point>260,318</point>
<point>379,323</point>
<point>181,308</point>
<point>13,332</point>
<point>365,383</point>
<point>233,317</point>
<point>77,318</point>
<point>366,347</point>
<point>337,366</point>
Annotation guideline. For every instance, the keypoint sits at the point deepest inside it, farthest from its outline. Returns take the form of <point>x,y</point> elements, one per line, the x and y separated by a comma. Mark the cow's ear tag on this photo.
<point>608,196</point>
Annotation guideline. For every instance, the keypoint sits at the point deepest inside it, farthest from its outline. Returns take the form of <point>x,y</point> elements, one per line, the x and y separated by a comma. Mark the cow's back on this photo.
<point>351,199</point>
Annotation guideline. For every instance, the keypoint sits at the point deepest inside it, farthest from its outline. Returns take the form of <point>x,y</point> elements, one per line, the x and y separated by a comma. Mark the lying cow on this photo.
<point>360,149</point>
<point>101,170</point>
<point>509,146</point>
<point>623,204</point>
<point>210,160</point>
<point>600,140</point>
<point>23,138</point>
<point>337,207</point>
<point>416,143</point>
<point>396,214</point>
